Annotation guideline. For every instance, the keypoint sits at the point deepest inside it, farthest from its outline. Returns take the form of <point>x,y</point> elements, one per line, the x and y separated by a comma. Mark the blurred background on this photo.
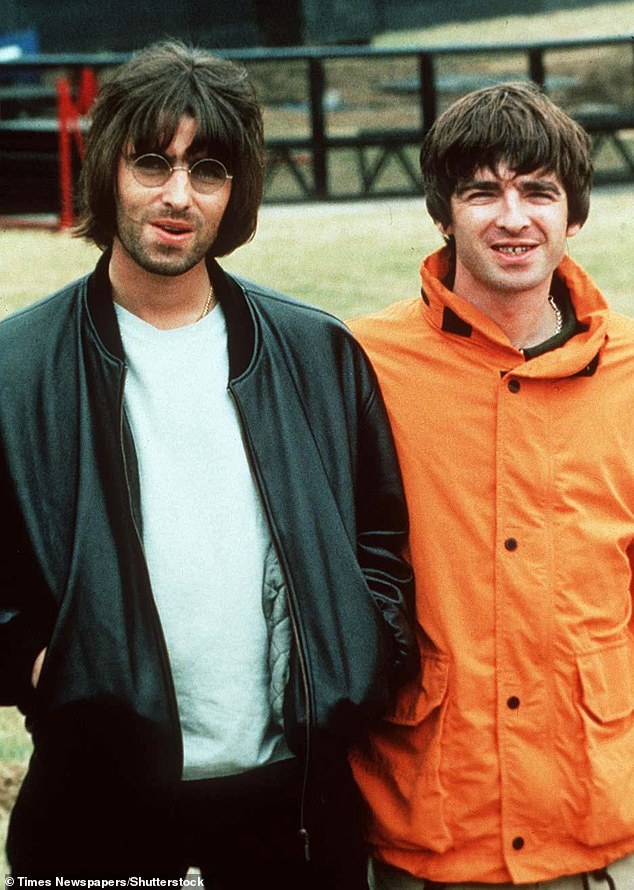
<point>348,88</point>
<point>83,26</point>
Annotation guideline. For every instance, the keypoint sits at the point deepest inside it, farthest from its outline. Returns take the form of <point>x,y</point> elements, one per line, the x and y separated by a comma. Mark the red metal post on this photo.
<point>64,115</point>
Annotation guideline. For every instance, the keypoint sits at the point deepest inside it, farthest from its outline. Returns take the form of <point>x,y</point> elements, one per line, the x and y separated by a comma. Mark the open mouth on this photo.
<point>513,250</point>
<point>173,233</point>
<point>173,228</point>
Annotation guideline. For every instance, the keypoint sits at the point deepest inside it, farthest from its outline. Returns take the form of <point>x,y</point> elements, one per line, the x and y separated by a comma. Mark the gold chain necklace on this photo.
<point>559,322</point>
<point>207,305</point>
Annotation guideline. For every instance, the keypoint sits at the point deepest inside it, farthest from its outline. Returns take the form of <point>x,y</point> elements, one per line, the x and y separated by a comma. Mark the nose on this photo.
<point>177,191</point>
<point>512,214</point>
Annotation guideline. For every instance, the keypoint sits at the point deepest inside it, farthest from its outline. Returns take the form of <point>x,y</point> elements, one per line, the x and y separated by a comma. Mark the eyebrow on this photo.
<point>494,186</point>
<point>480,185</point>
<point>540,185</point>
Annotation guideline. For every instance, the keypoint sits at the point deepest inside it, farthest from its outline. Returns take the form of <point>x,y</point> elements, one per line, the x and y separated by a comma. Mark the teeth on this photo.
<point>513,250</point>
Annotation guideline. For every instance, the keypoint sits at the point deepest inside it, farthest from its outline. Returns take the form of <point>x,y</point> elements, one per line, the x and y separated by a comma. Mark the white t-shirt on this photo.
<point>205,540</point>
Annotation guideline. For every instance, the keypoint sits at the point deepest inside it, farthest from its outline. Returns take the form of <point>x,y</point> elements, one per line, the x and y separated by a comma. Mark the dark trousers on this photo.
<point>242,832</point>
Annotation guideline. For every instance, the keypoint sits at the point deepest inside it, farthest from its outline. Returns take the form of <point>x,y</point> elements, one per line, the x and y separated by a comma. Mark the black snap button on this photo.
<point>511,544</point>
<point>518,843</point>
<point>513,702</point>
<point>514,385</point>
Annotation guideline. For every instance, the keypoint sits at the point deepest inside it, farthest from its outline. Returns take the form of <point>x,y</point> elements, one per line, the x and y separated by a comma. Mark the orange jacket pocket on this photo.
<point>607,681</point>
<point>606,808</point>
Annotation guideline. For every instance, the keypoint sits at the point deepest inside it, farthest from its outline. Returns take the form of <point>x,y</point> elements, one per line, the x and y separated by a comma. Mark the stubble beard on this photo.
<point>159,259</point>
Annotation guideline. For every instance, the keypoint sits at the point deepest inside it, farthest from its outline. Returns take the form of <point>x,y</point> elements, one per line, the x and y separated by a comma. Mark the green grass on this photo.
<point>355,258</point>
<point>349,258</point>
<point>15,744</point>
<point>605,19</point>
<point>15,748</point>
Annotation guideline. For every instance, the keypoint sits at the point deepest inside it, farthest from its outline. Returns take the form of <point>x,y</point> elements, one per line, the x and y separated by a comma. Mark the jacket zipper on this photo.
<point>303,831</point>
<point>173,707</point>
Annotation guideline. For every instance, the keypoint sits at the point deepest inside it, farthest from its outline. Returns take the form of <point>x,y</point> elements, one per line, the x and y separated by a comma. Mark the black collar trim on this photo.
<point>590,369</point>
<point>241,329</point>
<point>453,324</point>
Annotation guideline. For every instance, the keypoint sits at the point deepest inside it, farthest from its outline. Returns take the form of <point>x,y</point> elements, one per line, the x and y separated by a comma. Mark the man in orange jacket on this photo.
<point>510,387</point>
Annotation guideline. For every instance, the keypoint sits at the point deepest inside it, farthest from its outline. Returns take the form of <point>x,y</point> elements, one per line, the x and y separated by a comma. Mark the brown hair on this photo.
<point>512,123</point>
<point>141,106</point>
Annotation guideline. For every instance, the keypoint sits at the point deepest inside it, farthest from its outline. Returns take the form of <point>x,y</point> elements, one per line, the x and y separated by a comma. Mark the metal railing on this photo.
<point>302,158</point>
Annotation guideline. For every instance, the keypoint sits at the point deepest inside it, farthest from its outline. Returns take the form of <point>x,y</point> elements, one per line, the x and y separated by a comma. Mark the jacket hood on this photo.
<point>456,316</point>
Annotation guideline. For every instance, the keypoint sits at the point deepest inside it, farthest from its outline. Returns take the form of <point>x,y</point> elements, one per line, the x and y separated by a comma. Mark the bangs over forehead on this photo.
<point>139,110</point>
<point>503,134</point>
<point>153,126</point>
<point>514,125</point>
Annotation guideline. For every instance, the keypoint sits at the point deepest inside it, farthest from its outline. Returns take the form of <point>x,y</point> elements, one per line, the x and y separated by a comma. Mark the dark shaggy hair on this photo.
<point>515,124</point>
<point>139,109</point>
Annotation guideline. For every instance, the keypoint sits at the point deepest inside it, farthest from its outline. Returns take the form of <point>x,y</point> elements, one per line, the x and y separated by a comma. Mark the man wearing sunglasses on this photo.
<point>202,601</point>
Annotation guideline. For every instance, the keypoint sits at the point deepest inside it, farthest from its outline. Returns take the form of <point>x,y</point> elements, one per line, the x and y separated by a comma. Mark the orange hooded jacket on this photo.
<point>512,757</point>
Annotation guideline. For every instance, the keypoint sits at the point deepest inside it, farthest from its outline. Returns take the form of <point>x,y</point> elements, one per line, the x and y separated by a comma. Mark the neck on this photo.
<point>527,324</point>
<point>164,301</point>
<point>526,317</point>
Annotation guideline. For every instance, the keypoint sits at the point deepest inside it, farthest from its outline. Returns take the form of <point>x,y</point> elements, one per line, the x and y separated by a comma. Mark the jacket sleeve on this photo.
<point>382,530</point>
<point>25,618</point>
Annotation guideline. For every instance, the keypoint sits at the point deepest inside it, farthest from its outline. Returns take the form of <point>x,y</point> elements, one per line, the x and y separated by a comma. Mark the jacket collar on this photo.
<point>241,324</point>
<point>455,316</point>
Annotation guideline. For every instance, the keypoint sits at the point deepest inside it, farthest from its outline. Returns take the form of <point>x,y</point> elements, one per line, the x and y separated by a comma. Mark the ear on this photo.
<point>445,230</point>
<point>572,229</point>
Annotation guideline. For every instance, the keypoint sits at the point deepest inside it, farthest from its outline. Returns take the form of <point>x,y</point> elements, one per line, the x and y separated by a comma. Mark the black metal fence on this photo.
<point>347,122</point>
